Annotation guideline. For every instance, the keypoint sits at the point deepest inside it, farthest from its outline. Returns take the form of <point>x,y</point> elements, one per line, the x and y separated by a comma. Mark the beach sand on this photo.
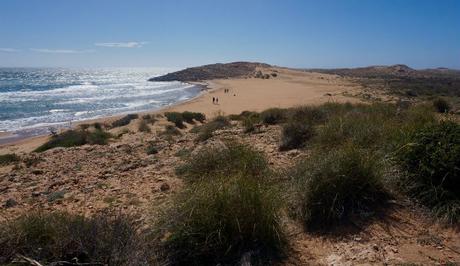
<point>289,88</point>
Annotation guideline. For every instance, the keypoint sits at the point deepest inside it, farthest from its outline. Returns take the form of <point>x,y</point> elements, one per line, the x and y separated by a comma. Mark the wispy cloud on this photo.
<point>60,51</point>
<point>9,50</point>
<point>121,44</point>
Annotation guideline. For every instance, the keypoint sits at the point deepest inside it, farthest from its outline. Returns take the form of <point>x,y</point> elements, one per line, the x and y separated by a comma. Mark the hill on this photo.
<point>403,80</point>
<point>212,71</point>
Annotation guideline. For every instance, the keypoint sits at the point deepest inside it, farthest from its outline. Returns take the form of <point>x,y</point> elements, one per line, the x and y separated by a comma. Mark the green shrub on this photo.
<point>243,115</point>
<point>295,134</point>
<point>230,158</point>
<point>8,158</point>
<point>151,149</point>
<point>190,117</point>
<point>206,131</point>
<point>171,131</point>
<point>144,127</point>
<point>307,114</point>
<point>59,236</point>
<point>365,125</point>
<point>441,105</point>
<point>72,138</point>
<point>150,119</point>
<point>124,120</point>
<point>432,159</point>
<point>176,118</point>
<point>273,116</point>
<point>249,121</point>
<point>98,137</point>
<point>215,222</point>
<point>332,187</point>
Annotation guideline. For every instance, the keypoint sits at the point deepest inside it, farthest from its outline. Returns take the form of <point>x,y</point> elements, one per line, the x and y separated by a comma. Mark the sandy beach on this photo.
<point>289,88</point>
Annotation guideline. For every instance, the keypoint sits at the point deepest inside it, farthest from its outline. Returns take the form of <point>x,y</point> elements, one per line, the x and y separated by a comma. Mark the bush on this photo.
<point>176,118</point>
<point>98,137</point>
<point>124,120</point>
<point>295,134</point>
<point>431,159</point>
<point>273,116</point>
<point>243,115</point>
<point>249,121</point>
<point>230,158</point>
<point>189,117</point>
<point>143,127</point>
<point>148,118</point>
<point>72,138</point>
<point>171,131</point>
<point>215,222</point>
<point>59,236</point>
<point>151,149</point>
<point>441,105</point>
<point>308,114</point>
<point>333,187</point>
<point>205,131</point>
<point>9,158</point>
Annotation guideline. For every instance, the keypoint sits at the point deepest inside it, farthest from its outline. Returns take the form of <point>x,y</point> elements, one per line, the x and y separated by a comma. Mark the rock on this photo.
<point>164,187</point>
<point>10,203</point>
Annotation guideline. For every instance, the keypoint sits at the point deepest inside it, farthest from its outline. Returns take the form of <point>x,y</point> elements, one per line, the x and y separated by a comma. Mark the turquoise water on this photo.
<point>33,98</point>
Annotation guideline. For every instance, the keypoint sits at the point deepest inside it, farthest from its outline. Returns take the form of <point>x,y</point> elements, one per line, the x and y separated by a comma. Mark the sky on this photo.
<point>173,33</point>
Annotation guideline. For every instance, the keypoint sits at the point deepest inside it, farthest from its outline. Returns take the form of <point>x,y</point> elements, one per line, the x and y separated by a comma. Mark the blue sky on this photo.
<point>173,33</point>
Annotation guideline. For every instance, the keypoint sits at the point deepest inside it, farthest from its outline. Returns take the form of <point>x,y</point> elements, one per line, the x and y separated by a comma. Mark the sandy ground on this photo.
<point>289,88</point>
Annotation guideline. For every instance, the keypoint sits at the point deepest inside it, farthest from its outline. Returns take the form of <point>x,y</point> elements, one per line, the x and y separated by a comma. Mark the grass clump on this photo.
<point>190,117</point>
<point>9,158</point>
<point>176,118</point>
<point>229,158</point>
<point>331,188</point>
<point>125,120</point>
<point>431,159</point>
<point>215,222</point>
<point>441,105</point>
<point>149,119</point>
<point>295,134</point>
<point>206,131</point>
<point>72,138</point>
<point>151,149</point>
<point>144,127</point>
<point>59,236</point>
<point>273,116</point>
<point>170,131</point>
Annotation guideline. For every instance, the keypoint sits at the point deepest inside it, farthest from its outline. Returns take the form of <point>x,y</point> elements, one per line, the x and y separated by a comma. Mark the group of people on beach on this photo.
<point>215,100</point>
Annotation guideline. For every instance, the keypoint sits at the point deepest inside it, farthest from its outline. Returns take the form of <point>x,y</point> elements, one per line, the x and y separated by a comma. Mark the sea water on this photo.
<point>37,98</point>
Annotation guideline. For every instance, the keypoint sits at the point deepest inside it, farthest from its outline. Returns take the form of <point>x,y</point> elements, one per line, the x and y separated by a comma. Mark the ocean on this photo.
<point>34,99</point>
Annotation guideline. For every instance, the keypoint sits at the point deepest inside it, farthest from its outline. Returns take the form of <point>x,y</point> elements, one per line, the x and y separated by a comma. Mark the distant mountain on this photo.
<point>403,80</point>
<point>213,71</point>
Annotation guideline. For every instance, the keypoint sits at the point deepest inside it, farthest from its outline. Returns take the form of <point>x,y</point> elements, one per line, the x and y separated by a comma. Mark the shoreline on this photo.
<point>10,138</point>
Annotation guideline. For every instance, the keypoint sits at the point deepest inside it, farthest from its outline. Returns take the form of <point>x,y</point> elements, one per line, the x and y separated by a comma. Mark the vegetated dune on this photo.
<point>213,71</point>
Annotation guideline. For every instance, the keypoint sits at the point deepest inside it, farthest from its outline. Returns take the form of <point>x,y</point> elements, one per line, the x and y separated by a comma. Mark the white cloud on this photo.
<point>121,44</point>
<point>60,51</point>
<point>9,50</point>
